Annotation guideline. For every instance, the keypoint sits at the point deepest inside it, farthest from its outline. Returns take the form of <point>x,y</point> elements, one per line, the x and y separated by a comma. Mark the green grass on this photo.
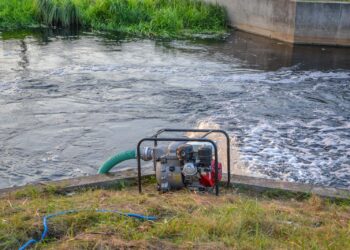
<point>186,220</point>
<point>17,13</point>
<point>157,18</point>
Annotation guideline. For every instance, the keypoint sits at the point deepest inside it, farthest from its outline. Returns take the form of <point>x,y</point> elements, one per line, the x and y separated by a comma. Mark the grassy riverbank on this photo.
<point>186,221</point>
<point>154,18</point>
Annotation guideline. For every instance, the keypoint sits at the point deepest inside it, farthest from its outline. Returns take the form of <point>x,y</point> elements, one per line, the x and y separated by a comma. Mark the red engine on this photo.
<point>208,179</point>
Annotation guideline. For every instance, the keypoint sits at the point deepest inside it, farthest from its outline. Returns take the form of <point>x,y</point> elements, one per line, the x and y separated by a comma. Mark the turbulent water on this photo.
<point>68,102</point>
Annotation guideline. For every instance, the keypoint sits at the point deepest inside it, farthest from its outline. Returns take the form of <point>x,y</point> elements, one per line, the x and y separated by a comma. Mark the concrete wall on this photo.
<point>271,18</point>
<point>322,23</point>
<point>292,21</point>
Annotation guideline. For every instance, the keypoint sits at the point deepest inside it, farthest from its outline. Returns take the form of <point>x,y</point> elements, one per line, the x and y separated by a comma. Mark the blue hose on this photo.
<point>46,228</point>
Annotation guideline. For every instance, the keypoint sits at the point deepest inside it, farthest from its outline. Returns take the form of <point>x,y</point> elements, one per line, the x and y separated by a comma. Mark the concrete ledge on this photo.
<point>98,181</point>
<point>262,185</point>
<point>130,177</point>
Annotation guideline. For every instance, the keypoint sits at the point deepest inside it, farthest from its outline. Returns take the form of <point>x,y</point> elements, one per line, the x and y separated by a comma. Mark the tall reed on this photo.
<point>58,13</point>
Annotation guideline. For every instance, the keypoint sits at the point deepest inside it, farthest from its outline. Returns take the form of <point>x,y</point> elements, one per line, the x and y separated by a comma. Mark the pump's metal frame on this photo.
<point>155,139</point>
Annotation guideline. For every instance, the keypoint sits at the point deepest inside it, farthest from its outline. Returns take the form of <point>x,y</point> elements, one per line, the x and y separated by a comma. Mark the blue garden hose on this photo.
<point>46,228</point>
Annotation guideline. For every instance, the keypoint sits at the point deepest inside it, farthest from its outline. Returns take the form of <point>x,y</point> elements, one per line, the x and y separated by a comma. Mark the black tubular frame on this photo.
<point>155,140</point>
<point>207,131</point>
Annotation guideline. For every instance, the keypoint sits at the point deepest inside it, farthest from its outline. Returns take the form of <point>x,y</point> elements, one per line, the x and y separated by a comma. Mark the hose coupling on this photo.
<point>147,154</point>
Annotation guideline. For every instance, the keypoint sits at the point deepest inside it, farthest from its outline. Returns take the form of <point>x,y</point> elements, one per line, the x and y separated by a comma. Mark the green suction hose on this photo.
<point>118,158</point>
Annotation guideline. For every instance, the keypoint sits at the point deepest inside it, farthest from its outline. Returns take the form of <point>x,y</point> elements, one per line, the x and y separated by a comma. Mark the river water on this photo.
<point>69,101</point>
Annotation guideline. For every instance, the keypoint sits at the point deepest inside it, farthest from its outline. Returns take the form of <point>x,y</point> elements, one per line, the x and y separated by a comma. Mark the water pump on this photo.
<point>190,162</point>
